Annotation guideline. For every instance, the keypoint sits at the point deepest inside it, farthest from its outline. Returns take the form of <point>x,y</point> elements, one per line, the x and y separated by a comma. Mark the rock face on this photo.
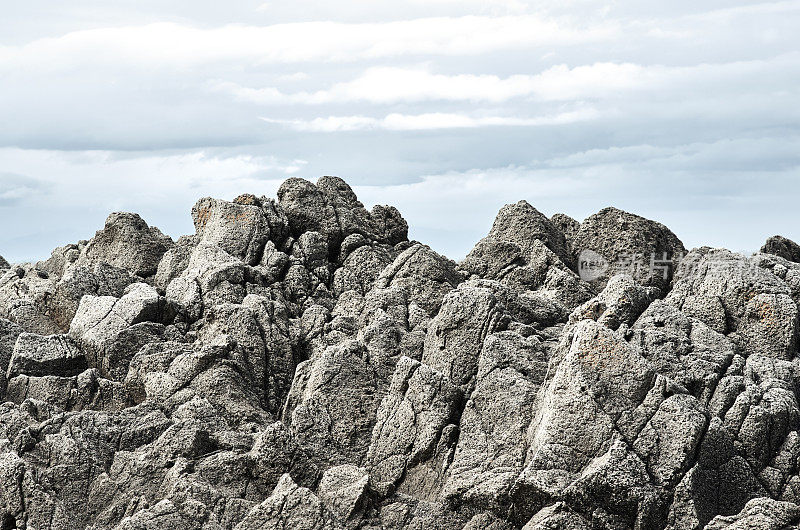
<point>783,247</point>
<point>613,241</point>
<point>297,363</point>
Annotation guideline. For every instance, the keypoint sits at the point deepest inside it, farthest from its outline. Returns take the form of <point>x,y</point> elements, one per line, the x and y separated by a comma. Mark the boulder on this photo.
<point>521,225</point>
<point>783,247</point>
<point>762,514</point>
<point>129,243</point>
<point>111,330</point>
<point>613,241</point>
<point>241,230</point>
<point>343,490</point>
<point>36,355</point>
<point>289,506</point>
<point>733,295</point>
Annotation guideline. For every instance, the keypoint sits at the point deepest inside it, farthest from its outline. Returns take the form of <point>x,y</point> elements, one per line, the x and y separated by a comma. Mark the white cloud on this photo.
<point>447,108</point>
<point>386,85</point>
<point>389,85</point>
<point>430,121</point>
<point>166,44</point>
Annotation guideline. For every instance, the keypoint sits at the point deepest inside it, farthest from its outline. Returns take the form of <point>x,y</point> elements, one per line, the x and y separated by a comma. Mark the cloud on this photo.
<point>385,85</point>
<point>681,111</point>
<point>169,44</point>
<point>15,188</point>
<point>389,85</point>
<point>431,121</point>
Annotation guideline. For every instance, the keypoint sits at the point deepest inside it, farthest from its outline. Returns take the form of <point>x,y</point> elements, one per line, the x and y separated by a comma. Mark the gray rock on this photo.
<point>24,296</point>
<point>361,268</point>
<point>343,490</point>
<point>762,514</point>
<point>331,208</point>
<point>683,349</point>
<point>721,482</point>
<point>412,430</point>
<point>174,261</point>
<point>99,279</point>
<point>4,264</point>
<point>568,226</point>
<point>332,404</point>
<point>129,243</point>
<point>36,355</point>
<point>111,330</point>
<point>783,247</point>
<point>423,274</point>
<point>557,516</point>
<point>522,224</point>
<point>86,391</point>
<point>619,304</point>
<point>301,364</point>
<point>491,448</point>
<point>289,507</point>
<point>598,388</point>
<point>9,332</point>
<point>212,277</point>
<point>626,243</point>
<point>240,230</point>
<point>732,294</point>
<point>455,337</point>
<point>389,224</point>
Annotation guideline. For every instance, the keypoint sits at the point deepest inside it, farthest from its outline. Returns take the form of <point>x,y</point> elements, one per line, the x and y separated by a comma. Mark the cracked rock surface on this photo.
<point>299,363</point>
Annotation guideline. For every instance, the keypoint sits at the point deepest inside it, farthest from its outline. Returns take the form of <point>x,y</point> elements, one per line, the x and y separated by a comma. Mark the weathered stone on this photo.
<point>111,330</point>
<point>522,224</point>
<point>129,243</point>
<point>491,446</point>
<point>238,229</point>
<point>683,348</point>
<point>423,274</point>
<point>300,364</point>
<point>783,247</point>
<point>289,506</point>
<point>761,514</point>
<point>411,424</point>
<point>36,355</point>
<point>174,261</point>
<point>626,243</point>
<point>619,304</point>
<point>718,286</point>
<point>343,490</point>
<point>332,404</point>
<point>9,332</point>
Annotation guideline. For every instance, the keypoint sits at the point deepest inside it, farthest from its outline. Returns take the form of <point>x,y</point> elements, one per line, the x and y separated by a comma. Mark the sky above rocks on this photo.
<point>684,112</point>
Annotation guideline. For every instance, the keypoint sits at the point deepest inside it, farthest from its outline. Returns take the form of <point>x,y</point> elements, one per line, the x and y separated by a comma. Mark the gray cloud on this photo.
<point>681,111</point>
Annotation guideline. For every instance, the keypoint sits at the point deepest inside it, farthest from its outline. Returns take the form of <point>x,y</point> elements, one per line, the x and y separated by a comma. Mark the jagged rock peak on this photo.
<point>297,363</point>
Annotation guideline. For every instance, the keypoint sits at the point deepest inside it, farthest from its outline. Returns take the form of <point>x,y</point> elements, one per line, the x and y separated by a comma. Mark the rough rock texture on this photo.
<point>297,363</point>
<point>783,247</point>
<point>129,243</point>
<point>613,241</point>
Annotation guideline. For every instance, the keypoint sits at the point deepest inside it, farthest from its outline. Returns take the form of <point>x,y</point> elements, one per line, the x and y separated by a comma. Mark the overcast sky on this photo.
<point>682,111</point>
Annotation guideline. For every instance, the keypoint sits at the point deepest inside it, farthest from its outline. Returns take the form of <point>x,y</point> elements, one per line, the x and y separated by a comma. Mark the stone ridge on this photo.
<point>298,363</point>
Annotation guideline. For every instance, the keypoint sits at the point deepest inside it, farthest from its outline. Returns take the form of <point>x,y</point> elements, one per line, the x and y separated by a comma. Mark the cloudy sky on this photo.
<point>682,111</point>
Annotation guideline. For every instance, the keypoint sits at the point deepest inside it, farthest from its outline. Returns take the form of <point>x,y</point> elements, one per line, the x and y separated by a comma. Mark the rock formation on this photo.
<point>298,363</point>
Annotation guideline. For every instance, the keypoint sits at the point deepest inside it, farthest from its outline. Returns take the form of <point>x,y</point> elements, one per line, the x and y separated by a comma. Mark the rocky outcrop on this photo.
<point>783,247</point>
<point>129,243</point>
<point>297,363</point>
<point>613,241</point>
